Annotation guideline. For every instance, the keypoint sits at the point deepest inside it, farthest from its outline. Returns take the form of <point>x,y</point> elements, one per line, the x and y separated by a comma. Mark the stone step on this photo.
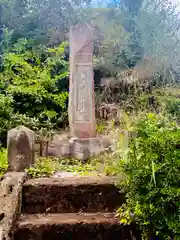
<point>72,194</point>
<point>66,226</point>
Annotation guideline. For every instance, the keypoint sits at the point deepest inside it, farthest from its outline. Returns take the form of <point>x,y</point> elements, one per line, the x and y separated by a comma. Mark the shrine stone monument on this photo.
<point>83,142</point>
<point>81,89</point>
<point>81,95</point>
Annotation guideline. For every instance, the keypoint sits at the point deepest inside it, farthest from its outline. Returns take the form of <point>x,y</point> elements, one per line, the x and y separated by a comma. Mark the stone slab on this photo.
<point>96,226</point>
<point>74,194</point>
<point>10,202</point>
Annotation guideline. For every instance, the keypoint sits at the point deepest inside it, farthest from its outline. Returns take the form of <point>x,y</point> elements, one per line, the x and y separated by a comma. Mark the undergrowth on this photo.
<point>152,179</point>
<point>103,164</point>
<point>3,161</point>
<point>48,166</point>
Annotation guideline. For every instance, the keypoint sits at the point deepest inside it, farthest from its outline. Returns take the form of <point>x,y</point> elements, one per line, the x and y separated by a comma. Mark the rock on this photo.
<point>79,148</point>
<point>90,147</point>
<point>10,202</point>
<point>21,145</point>
<point>59,149</point>
<point>106,141</point>
<point>64,174</point>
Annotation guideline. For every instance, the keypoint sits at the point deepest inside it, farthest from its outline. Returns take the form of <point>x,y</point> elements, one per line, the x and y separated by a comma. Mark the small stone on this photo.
<point>106,141</point>
<point>64,174</point>
<point>21,144</point>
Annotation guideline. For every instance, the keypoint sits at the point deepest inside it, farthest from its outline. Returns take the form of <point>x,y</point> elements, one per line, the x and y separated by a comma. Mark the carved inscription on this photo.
<point>83,90</point>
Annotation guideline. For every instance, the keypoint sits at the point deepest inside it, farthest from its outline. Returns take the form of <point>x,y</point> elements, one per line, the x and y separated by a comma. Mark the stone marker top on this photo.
<point>17,131</point>
<point>83,33</point>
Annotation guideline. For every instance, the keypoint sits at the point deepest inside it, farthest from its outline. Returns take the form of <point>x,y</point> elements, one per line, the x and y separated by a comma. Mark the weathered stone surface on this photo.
<point>21,145</point>
<point>107,111</point>
<point>64,174</point>
<point>63,148</point>
<point>79,148</point>
<point>88,147</point>
<point>10,201</point>
<point>81,90</point>
<point>106,141</point>
<point>87,226</point>
<point>73,194</point>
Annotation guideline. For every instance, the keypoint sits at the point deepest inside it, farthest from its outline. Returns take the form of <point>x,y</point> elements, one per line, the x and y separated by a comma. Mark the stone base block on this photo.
<point>83,148</point>
<point>79,148</point>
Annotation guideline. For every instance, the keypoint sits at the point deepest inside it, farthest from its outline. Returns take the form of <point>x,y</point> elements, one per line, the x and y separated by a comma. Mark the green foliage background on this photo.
<point>32,89</point>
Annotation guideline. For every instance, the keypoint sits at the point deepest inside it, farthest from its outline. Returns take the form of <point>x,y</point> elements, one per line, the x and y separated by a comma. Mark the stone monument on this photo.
<point>84,142</point>
<point>81,110</point>
<point>81,89</point>
<point>20,145</point>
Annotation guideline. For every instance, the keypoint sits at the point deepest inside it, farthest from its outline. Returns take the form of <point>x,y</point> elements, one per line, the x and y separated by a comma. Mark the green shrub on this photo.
<point>152,179</point>
<point>101,127</point>
<point>3,161</point>
<point>173,106</point>
<point>31,89</point>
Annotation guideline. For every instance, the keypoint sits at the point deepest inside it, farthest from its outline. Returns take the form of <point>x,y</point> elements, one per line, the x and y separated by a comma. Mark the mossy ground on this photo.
<point>46,167</point>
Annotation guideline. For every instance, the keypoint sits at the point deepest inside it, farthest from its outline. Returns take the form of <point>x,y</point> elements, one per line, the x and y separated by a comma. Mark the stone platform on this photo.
<point>79,148</point>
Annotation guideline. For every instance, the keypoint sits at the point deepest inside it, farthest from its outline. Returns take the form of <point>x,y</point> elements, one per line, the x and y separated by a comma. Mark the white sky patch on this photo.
<point>176,2</point>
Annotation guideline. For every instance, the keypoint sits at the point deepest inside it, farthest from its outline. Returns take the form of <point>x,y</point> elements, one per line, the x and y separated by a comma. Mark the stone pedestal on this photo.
<point>84,148</point>
<point>79,148</point>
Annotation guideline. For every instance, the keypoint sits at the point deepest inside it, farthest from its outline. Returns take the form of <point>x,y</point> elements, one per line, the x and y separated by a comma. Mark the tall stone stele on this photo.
<point>81,89</point>
<point>21,149</point>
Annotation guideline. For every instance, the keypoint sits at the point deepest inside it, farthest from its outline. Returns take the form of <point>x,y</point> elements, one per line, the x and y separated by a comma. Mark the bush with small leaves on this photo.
<point>31,92</point>
<point>152,179</point>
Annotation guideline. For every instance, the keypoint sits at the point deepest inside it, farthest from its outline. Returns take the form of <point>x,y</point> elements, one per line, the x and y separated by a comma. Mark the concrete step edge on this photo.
<point>73,181</point>
<point>66,218</point>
